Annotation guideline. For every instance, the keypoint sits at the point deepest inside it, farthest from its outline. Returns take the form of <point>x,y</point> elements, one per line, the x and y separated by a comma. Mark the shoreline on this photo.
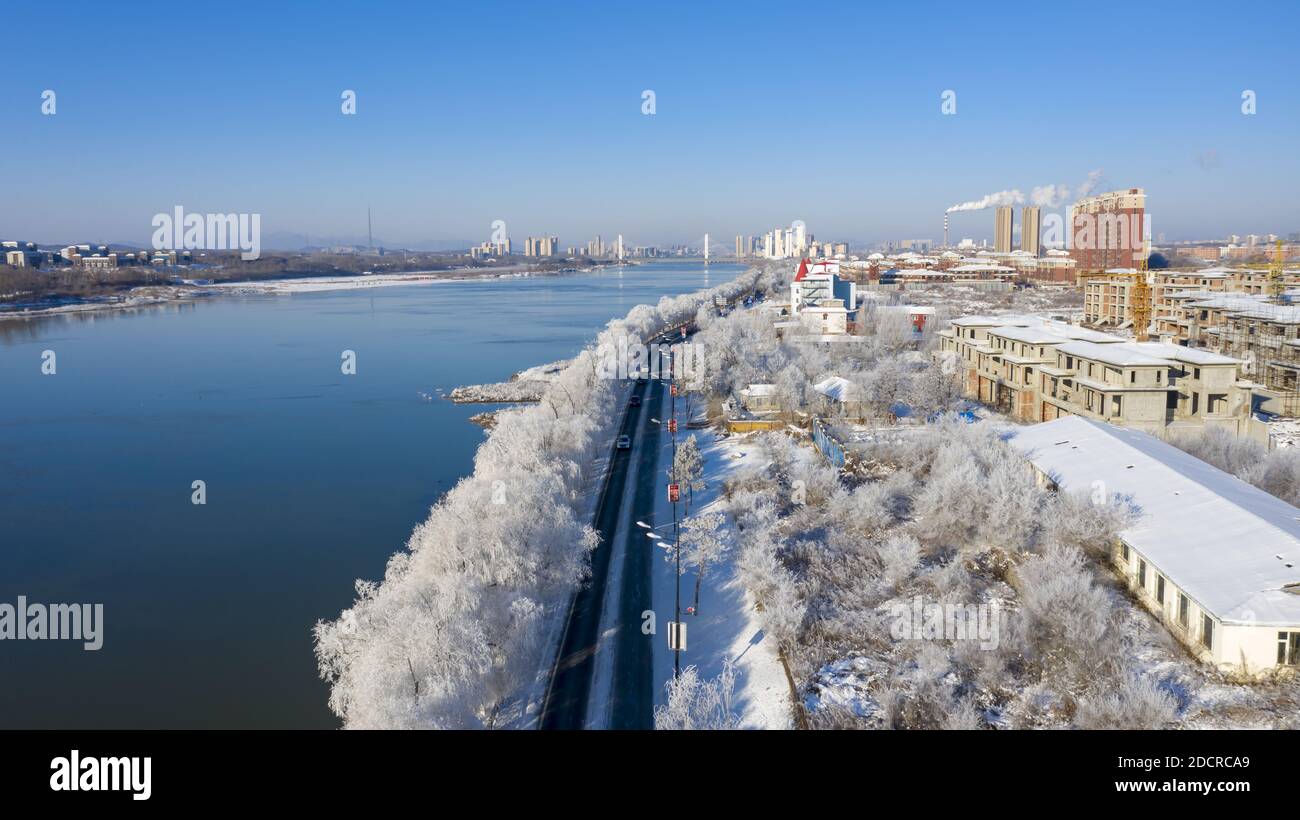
<point>154,295</point>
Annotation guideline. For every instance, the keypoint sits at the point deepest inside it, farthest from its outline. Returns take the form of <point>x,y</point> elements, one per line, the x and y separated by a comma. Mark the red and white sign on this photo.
<point>672,425</point>
<point>674,493</point>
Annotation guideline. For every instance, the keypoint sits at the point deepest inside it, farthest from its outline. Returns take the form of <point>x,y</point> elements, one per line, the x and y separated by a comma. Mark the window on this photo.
<point>1288,649</point>
<point>1196,373</point>
<point>1207,631</point>
<point>1183,610</point>
<point>1160,589</point>
<point>1123,550</point>
<point>1142,573</point>
<point>1132,377</point>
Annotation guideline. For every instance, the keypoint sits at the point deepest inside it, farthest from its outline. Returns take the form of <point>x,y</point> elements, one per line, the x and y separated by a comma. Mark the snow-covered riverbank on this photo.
<point>527,385</point>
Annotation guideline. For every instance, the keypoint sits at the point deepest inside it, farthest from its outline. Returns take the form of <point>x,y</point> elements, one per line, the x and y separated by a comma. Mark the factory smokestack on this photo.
<point>945,230</point>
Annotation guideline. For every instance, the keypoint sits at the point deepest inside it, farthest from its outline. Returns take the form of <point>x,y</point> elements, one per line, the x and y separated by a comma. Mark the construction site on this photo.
<point>1249,315</point>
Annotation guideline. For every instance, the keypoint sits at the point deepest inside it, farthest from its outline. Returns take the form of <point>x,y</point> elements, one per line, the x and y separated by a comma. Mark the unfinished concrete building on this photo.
<point>1038,370</point>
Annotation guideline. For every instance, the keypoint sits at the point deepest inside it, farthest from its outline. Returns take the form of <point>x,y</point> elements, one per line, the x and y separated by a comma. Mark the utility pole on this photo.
<point>677,540</point>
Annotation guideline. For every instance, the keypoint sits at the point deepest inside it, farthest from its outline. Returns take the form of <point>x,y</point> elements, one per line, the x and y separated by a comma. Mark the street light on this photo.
<point>676,545</point>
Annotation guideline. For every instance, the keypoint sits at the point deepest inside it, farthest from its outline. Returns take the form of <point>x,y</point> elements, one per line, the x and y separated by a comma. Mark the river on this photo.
<point>312,477</point>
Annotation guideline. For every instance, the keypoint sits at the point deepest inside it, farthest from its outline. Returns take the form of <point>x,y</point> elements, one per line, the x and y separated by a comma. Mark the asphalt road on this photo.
<point>632,699</point>
<point>565,705</point>
<point>633,695</point>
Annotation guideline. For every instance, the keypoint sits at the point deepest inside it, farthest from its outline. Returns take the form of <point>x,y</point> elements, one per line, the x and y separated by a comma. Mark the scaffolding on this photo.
<point>1266,338</point>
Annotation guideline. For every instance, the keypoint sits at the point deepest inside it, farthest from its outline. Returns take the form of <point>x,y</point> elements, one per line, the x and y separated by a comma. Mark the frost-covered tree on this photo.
<point>1137,703</point>
<point>695,703</point>
<point>1276,472</point>
<point>887,383</point>
<point>937,387</point>
<point>688,468</point>
<point>1067,619</point>
<point>704,542</point>
<point>461,620</point>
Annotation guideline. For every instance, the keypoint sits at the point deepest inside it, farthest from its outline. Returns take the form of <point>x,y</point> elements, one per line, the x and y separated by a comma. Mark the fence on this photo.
<point>827,444</point>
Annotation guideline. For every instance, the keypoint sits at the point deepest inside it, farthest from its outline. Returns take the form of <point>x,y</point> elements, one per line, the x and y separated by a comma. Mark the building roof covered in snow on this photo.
<point>1031,335</point>
<point>1232,547</point>
<point>1119,355</point>
<point>837,388</point>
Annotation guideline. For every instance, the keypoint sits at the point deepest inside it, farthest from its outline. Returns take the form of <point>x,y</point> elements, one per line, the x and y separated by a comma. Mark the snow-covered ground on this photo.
<point>727,626</point>
<point>1284,432</point>
<point>525,386</point>
<point>315,284</point>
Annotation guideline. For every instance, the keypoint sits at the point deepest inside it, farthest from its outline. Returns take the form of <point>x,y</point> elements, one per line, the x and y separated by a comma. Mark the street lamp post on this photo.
<point>677,542</point>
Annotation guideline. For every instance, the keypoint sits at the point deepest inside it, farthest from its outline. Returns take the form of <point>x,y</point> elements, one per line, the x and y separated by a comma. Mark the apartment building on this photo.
<point>1107,230</point>
<point>541,246</point>
<point>1106,301</point>
<point>1038,370</point>
<point>1002,229</point>
<point>1213,557</point>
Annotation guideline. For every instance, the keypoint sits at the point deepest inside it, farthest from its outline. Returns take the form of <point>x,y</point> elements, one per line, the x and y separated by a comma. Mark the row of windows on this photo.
<point>1183,610</point>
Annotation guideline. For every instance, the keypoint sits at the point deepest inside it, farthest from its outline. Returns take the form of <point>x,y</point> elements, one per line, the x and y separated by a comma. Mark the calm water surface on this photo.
<point>313,478</point>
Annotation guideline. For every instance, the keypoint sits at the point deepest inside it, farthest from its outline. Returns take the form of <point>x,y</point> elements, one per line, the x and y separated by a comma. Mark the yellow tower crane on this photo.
<point>1276,282</point>
<point>1141,297</point>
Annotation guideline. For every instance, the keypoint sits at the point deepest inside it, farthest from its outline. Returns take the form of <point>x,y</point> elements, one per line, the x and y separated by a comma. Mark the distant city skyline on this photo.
<point>543,127</point>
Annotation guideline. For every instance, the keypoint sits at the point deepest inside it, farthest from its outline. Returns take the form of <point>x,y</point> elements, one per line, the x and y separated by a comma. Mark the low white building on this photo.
<point>828,317</point>
<point>819,282</point>
<point>760,398</point>
<point>840,396</point>
<point>1216,558</point>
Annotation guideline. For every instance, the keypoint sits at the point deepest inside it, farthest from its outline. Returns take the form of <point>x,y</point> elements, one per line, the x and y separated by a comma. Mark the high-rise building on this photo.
<point>541,246</point>
<point>1002,229</point>
<point>740,247</point>
<point>1108,230</point>
<point>1031,229</point>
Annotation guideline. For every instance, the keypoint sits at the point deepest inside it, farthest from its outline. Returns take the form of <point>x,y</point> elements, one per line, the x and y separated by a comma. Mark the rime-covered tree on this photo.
<point>694,703</point>
<point>688,468</point>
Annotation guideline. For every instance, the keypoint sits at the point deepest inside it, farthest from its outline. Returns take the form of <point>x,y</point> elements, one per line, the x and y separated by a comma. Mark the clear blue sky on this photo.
<point>531,113</point>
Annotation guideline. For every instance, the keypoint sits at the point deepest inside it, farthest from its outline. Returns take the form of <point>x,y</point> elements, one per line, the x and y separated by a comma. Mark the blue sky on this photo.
<point>531,113</point>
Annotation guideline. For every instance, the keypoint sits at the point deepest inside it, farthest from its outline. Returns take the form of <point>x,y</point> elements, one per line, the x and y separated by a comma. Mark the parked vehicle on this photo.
<point>623,443</point>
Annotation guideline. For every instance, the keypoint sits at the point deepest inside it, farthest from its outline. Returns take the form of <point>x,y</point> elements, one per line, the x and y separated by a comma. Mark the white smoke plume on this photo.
<point>1046,196</point>
<point>1088,186</point>
<point>1049,196</point>
<point>1054,196</point>
<point>990,201</point>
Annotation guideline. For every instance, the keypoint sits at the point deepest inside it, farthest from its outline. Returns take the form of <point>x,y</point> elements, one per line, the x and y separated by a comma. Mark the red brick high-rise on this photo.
<point>1106,230</point>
